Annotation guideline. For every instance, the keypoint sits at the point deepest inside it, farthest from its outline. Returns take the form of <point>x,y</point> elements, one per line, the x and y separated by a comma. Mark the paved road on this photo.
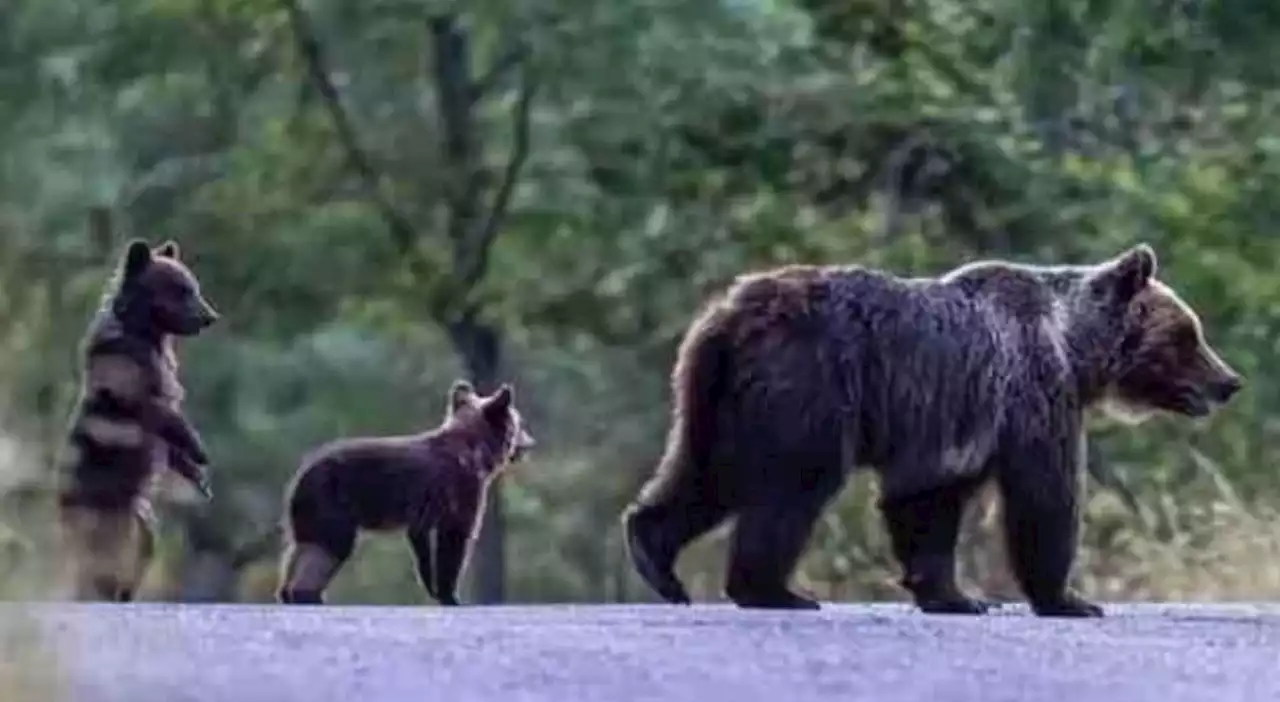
<point>707,653</point>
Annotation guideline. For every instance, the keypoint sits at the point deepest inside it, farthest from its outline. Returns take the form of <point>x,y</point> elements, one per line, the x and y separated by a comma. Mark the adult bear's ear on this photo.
<point>1128,274</point>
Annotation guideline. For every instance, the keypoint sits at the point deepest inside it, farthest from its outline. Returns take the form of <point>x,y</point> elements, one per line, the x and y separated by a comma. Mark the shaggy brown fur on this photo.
<point>431,485</point>
<point>796,376</point>
<point>127,424</point>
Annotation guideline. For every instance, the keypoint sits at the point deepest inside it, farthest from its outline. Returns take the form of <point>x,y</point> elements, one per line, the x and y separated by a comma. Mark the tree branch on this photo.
<point>508,60</point>
<point>312,54</point>
<point>473,266</point>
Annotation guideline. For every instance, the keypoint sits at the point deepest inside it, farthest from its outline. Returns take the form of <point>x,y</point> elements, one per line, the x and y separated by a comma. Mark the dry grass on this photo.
<point>1218,552</point>
<point>29,665</point>
<point>30,659</point>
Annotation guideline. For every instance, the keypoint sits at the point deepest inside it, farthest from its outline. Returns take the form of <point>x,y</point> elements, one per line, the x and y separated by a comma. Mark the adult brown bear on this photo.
<point>795,376</point>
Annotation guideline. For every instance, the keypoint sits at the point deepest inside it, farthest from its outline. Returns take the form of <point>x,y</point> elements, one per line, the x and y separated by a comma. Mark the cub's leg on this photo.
<point>320,537</point>
<point>99,546</point>
<point>1040,482</point>
<point>453,545</point>
<point>183,464</point>
<point>144,549</point>
<point>923,530</point>
<point>421,542</point>
<point>308,570</point>
<point>175,430</point>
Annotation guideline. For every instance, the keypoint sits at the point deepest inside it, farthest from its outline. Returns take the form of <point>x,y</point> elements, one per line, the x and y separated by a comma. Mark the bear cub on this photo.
<point>127,424</point>
<point>796,376</point>
<point>430,485</point>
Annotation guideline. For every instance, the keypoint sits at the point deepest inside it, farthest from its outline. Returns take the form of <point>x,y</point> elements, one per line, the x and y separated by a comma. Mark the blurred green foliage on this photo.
<point>667,147</point>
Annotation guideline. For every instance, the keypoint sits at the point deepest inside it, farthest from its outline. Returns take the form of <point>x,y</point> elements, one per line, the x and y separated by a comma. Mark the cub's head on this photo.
<point>498,414</point>
<point>1160,360</point>
<point>157,294</point>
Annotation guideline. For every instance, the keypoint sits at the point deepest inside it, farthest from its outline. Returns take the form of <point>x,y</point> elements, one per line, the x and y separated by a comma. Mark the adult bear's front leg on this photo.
<point>923,531</point>
<point>1040,482</point>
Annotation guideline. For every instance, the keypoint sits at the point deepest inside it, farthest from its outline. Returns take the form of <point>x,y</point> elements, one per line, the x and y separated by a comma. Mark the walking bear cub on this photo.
<point>431,485</point>
<point>795,376</point>
<point>127,424</point>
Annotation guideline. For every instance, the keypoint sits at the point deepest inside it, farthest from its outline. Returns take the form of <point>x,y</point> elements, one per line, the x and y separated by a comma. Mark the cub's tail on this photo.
<point>657,524</point>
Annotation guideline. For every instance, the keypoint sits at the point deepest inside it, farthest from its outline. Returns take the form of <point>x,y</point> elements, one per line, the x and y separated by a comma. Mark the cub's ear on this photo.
<point>136,259</point>
<point>499,403</point>
<point>461,394</point>
<point>1128,273</point>
<point>169,249</point>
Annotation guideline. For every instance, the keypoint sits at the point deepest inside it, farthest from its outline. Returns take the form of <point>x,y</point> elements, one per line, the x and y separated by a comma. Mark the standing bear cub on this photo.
<point>127,424</point>
<point>431,485</point>
<point>796,376</point>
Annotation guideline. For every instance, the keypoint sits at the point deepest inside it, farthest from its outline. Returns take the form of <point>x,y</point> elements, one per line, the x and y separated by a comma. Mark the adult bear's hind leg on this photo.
<point>768,542</point>
<point>655,534</point>
<point>791,454</point>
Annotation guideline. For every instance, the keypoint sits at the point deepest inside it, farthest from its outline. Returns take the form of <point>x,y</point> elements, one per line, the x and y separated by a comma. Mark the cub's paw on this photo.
<point>195,453</point>
<point>290,596</point>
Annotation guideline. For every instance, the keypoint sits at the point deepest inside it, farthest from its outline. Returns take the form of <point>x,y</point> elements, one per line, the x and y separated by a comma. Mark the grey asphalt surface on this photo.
<point>705,653</point>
